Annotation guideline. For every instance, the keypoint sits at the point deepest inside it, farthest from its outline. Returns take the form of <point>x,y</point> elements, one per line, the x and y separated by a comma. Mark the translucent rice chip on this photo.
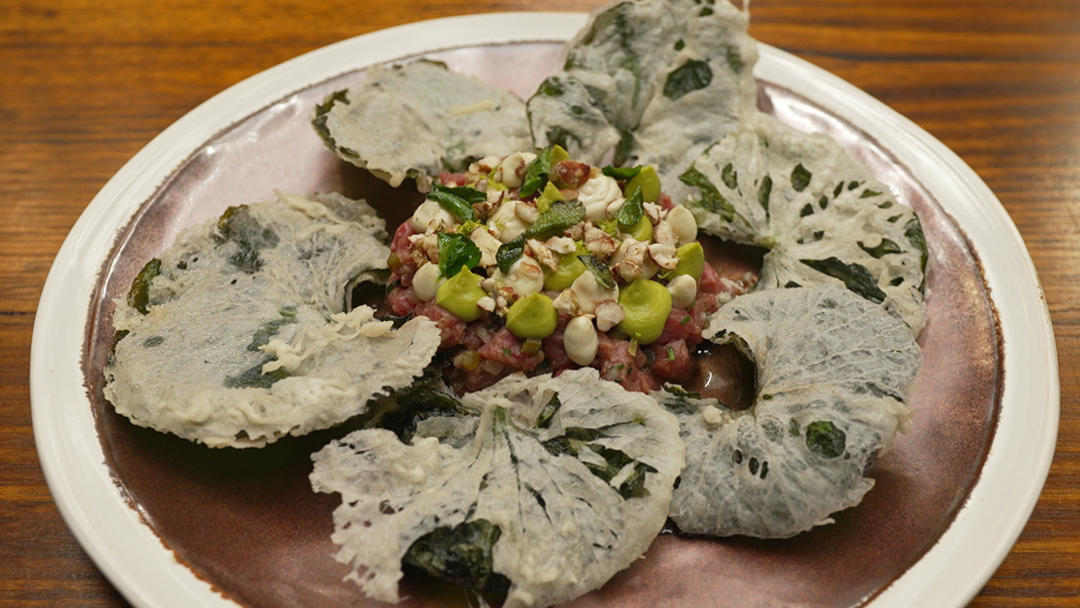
<point>570,475</point>
<point>418,119</point>
<point>833,375</point>
<point>820,212</point>
<point>657,81</point>
<point>240,333</point>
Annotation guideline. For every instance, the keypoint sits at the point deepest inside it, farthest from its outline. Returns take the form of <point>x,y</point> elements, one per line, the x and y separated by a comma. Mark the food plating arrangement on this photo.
<point>633,303</point>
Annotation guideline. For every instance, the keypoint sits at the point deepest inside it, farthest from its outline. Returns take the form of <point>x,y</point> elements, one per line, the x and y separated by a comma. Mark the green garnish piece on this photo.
<point>631,211</point>
<point>536,174</point>
<point>550,195</point>
<point>621,173</point>
<point>459,295</point>
<point>457,200</point>
<point>509,252</point>
<point>560,216</point>
<point>533,316</point>
<point>456,251</point>
<point>600,270</point>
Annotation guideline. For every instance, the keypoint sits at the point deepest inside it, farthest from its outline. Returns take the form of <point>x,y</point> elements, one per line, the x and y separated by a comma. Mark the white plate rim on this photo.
<point>148,574</point>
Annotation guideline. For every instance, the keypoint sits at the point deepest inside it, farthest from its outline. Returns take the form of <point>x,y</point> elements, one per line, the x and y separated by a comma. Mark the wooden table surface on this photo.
<point>85,85</point>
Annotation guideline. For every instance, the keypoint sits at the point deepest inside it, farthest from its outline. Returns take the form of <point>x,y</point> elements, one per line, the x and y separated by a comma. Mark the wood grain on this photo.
<point>84,85</point>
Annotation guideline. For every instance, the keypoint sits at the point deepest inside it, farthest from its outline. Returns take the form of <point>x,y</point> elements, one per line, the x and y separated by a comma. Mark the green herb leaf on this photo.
<point>456,251</point>
<point>560,216</point>
<point>631,211</point>
<point>536,174</point>
<point>457,200</point>
<point>621,174</point>
<point>825,440</point>
<point>509,252</point>
<point>600,270</point>
<point>690,76</point>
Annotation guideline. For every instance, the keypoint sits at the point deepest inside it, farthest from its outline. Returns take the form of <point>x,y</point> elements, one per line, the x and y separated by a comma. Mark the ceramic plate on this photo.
<point>174,524</point>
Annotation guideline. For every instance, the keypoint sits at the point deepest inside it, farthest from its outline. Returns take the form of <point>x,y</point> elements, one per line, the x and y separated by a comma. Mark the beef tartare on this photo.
<point>538,263</point>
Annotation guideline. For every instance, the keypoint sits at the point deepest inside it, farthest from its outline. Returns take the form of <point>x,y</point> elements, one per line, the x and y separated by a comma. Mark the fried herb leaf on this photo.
<point>416,403</point>
<point>764,191</point>
<point>254,377</point>
<point>854,276</point>
<point>600,270</point>
<point>271,328</point>
<point>238,225</point>
<point>711,199</point>
<point>914,233</point>
<point>139,295</point>
<point>631,211</point>
<point>461,554</point>
<point>509,252</point>
<point>885,247</point>
<point>621,173</point>
<point>825,440</point>
<point>457,200</point>
<point>322,115</point>
<point>690,76</point>
<point>456,251</point>
<point>536,174</point>
<point>543,420</point>
<point>560,216</point>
